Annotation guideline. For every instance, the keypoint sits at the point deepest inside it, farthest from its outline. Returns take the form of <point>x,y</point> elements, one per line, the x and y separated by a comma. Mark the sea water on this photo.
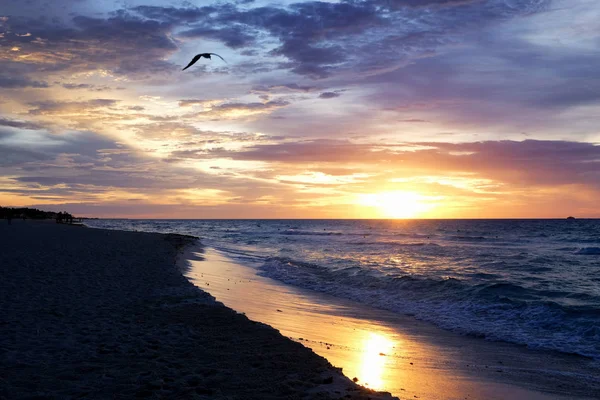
<point>531,282</point>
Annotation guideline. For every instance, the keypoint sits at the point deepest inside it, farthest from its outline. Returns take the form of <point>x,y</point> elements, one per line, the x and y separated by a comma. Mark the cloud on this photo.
<point>174,14</point>
<point>84,163</point>
<point>235,36</point>
<point>52,107</point>
<point>532,162</point>
<point>72,86</point>
<point>395,5</point>
<point>194,102</point>
<point>240,110</point>
<point>329,95</point>
<point>529,161</point>
<point>87,43</point>
<point>19,124</point>
<point>269,105</point>
<point>88,86</point>
<point>165,130</point>
<point>414,120</point>
<point>22,151</point>
<point>20,82</point>
<point>303,151</point>
<point>283,88</point>
<point>12,156</point>
<point>5,134</point>
<point>299,28</point>
<point>318,38</point>
<point>497,82</point>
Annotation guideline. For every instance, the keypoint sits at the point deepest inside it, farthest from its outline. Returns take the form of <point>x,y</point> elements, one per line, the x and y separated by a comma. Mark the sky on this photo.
<point>323,109</point>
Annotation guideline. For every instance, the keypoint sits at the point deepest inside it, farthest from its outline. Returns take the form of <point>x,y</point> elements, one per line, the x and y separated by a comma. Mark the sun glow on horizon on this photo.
<point>398,204</point>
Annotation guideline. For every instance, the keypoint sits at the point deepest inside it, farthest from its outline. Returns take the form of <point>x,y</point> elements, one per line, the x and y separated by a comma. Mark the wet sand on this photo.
<point>98,314</point>
<point>387,351</point>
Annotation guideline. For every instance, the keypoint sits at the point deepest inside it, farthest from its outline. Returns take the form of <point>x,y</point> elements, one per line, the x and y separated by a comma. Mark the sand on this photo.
<point>392,352</point>
<point>96,314</point>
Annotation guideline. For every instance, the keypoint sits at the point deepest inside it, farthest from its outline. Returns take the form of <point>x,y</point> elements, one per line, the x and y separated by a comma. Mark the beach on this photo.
<point>96,314</point>
<point>392,352</point>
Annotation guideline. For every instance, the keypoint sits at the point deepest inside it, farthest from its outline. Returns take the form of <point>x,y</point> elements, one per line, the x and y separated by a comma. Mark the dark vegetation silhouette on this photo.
<point>9,213</point>
<point>64,218</point>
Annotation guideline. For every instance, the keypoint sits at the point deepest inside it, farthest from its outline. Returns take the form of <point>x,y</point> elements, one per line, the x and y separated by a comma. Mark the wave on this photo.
<point>571,249</point>
<point>595,239</point>
<point>309,233</point>
<point>589,251</point>
<point>467,238</point>
<point>497,311</point>
<point>394,244</point>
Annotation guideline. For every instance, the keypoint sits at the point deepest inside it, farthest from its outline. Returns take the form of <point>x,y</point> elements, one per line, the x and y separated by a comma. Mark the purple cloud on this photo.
<point>20,82</point>
<point>530,161</point>
<point>329,95</point>
<point>19,124</point>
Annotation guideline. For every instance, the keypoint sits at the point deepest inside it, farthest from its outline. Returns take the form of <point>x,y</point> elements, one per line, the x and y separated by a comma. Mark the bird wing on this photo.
<point>215,54</point>
<point>196,58</point>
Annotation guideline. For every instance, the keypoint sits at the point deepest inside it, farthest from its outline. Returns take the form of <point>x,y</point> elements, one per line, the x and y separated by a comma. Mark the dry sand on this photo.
<point>96,314</point>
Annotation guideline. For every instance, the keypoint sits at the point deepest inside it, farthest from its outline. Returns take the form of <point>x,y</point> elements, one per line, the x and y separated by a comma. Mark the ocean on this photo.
<point>530,282</point>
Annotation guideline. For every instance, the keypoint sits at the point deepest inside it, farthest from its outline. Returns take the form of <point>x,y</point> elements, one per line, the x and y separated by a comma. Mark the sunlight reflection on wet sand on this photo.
<point>373,360</point>
<point>359,339</point>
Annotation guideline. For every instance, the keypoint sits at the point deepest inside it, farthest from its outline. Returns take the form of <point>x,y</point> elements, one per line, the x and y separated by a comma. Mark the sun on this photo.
<point>398,204</point>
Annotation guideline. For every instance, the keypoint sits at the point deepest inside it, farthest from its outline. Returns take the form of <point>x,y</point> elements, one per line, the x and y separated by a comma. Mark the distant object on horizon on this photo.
<point>570,217</point>
<point>199,56</point>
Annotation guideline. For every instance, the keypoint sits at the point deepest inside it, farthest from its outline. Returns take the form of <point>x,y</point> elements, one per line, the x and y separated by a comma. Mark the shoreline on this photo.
<point>499,287</point>
<point>107,314</point>
<point>446,365</point>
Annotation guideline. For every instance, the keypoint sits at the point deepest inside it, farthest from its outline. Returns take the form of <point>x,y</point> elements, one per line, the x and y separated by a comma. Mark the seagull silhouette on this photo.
<point>199,56</point>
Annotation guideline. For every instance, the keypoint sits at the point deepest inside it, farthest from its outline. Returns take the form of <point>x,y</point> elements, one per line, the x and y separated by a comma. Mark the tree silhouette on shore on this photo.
<point>34,213</point>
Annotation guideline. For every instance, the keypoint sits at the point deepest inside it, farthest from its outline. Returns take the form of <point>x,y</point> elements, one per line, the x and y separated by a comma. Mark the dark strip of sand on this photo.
<point>96,314</point>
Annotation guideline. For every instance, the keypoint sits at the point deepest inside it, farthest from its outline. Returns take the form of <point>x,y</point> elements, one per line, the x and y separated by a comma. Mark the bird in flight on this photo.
<point>199,56</point>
